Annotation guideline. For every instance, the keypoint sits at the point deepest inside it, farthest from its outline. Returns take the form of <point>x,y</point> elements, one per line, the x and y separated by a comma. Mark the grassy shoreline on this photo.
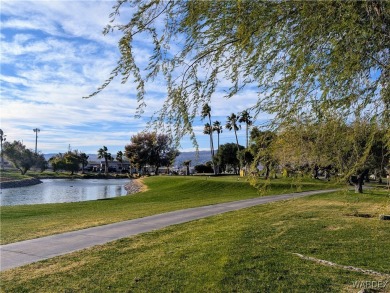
<point>164,194</point>
<point>12,175</point>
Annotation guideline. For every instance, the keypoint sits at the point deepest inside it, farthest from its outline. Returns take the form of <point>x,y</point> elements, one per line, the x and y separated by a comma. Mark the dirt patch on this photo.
<point>135,186</point>
<point>360,215</point>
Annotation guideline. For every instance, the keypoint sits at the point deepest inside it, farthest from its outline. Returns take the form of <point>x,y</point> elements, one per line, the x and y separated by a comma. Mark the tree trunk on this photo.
<point>235,133</point>
<point>247,135</point>
<point>358,180</point>
<point>267,170</point>
<point>212,145</point>
<point>212,153</point>
<point>238,149</point>
<point>106,167</point>
<point>315,172</point>
<point>359,187</point>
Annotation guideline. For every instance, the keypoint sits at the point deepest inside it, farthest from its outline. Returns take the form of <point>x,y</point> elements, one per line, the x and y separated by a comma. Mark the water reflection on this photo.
<point>64,190</point>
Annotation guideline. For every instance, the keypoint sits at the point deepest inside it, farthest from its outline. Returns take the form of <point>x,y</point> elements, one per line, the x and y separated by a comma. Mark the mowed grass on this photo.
<point>164,194</point>
<point>6,175</point>
<point>251,250</point>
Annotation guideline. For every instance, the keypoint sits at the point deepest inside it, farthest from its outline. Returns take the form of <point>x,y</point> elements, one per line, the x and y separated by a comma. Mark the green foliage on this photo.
<point>83,157</point>
<point>204,168</point>
<point>69,161</point>
<point>345,147</point>
<point>104,154</point>
<point>40,162</point>
<point>262,149</point>
<point>151,149</point>
<point>227,157</point>
<point>302,57</point>
<point>22,158</point>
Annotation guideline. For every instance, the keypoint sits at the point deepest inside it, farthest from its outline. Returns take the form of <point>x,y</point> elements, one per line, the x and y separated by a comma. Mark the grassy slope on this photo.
<point>164,194</point>
<point>250,250</point>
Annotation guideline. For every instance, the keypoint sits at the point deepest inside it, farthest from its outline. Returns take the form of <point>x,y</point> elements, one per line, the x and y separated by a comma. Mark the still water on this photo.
<point>64,190</point>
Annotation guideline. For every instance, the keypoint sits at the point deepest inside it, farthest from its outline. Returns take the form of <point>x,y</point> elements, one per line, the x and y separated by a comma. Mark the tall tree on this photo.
<point>245,117</point>
<point>311,56</point>
<point>207,129</point>
<point>231,124</point>
<point>206,112</point>
<point>104,154</point>
<point>83,157</point>
<point>119,158</point>
<point>217,127</point>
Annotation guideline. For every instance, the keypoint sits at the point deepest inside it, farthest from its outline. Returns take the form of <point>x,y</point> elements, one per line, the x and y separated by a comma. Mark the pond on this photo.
<point>64,190</point>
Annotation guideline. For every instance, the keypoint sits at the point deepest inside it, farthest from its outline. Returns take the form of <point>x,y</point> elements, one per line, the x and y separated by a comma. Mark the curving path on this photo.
<point>25,252</point>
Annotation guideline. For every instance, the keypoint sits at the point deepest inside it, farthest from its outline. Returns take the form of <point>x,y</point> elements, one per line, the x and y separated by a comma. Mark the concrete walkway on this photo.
<point>25,252</point>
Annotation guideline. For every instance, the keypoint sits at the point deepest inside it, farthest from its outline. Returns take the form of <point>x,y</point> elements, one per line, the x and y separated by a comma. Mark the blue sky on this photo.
<point>52,54</point>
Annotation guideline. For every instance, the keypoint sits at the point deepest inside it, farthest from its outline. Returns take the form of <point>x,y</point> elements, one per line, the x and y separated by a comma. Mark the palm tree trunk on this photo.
<point>211,138</point>
<point>235,133</point>
<point>247,130</point>
<point>212,146</point>
<point>238,148</point>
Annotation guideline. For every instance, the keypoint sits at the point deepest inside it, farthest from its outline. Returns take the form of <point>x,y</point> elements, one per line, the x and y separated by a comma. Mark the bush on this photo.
<point>204,169</point>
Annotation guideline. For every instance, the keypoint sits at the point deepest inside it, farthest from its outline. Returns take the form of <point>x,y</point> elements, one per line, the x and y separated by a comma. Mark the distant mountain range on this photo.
<point>196,158</point>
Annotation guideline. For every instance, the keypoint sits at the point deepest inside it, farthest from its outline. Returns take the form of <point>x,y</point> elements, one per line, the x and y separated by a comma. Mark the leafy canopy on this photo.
<point>22,158</point>
<point>151,149</point>
<point>313,57</point>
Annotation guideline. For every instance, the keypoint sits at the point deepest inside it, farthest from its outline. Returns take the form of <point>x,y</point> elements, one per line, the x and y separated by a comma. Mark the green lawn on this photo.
<point>6,175</point>
<point>251,250</point>
<point>165,194</point>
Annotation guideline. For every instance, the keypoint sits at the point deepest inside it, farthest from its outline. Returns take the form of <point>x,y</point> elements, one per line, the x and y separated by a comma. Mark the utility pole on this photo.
<point>36,130</point>
<point>2,138</point>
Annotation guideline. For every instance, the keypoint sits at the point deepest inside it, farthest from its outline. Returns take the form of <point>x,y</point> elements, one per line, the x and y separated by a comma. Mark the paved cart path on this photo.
<point>25,252</point>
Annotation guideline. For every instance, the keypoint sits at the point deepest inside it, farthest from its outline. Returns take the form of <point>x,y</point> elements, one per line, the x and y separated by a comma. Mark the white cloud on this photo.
<point>53,53</point>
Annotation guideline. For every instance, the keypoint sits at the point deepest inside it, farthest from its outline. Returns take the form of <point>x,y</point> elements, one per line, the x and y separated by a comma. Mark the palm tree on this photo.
<point>104,154</point>
<point>119,158</point>
<point>231,123</point>
<point>217,126</point>
<point>83,160</point>
<point>206,112</point>
<point>207,130</point>
<point>246,118</point>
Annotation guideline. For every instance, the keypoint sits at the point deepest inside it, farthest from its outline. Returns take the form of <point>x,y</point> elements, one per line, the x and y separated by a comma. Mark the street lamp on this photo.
<point>36,130</point>
<point>2,138</point>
